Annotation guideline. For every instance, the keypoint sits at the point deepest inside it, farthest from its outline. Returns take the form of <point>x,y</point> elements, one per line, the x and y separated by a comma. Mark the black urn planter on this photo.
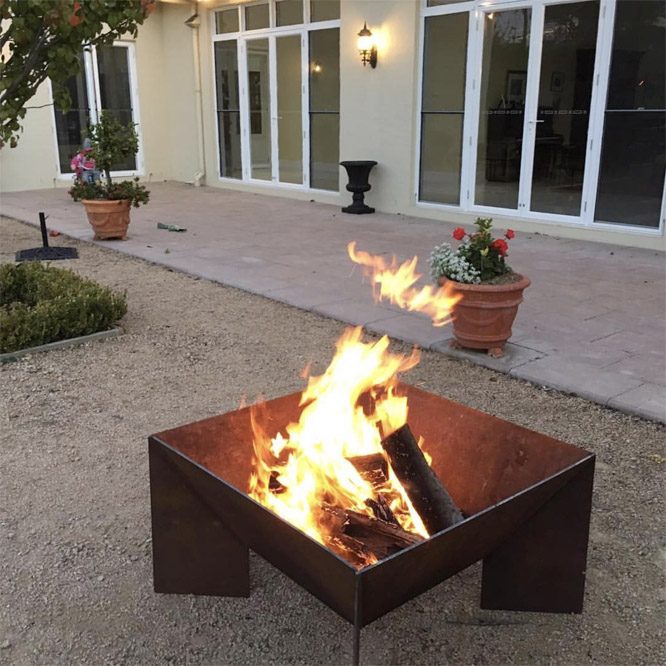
<point>358,172</point>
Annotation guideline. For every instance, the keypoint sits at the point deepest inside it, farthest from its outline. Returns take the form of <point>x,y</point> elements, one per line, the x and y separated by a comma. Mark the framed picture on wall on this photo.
<point>516,83</point>
<point>556,81</point>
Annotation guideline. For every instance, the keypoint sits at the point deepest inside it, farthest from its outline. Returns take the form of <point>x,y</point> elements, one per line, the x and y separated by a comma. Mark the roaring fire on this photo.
<point>307,473</point>
<point>395,283</point>
<point>345,412</point>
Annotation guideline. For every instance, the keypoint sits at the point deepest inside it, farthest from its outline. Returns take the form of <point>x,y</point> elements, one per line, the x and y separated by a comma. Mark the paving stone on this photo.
<point>645,400</point>
<point>514,355</point>
<point>575,377</point>
<point>596,329</point>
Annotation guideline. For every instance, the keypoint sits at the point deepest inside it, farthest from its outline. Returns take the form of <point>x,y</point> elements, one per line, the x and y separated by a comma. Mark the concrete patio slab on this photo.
<point>592,323</point>
<point>649,398</point>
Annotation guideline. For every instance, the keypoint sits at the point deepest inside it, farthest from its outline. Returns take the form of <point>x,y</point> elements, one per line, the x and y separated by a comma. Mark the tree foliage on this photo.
<point>43,39</point>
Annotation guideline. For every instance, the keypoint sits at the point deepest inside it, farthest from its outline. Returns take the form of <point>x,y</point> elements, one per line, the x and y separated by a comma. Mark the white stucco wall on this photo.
<point>167,112</point>
<point>378,116</point>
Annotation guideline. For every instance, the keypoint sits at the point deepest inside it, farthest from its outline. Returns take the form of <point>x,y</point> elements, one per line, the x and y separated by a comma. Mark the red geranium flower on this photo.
<point>459,233</point>
<point>510,233</point>
<point>501,246</point>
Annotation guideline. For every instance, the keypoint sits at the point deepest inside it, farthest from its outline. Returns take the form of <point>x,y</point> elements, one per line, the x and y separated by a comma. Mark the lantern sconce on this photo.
<point>366,47</point>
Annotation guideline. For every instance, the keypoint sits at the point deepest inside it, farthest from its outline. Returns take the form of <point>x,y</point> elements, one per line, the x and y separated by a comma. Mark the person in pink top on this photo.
<point>83,165</point>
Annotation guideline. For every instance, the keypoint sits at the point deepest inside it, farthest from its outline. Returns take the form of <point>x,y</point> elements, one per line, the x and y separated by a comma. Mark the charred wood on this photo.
<point>426,492</point>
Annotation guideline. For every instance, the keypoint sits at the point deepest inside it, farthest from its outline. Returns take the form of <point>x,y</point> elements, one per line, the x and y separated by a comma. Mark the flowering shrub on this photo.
<point>479,258</point>
<point>131,190</point>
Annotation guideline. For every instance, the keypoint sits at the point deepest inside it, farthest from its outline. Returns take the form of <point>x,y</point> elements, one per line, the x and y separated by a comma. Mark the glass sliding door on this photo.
<point>104,83</point>
<point>563,112</point>
<point>115,95</point>
<point>503,91</point>
<point>324,68</point>
<point>442,109</point>
<point>631,172</point>
<point>290,125</point>
<point>228,109</point>
<point>259,103</point>
<point>71,125</point>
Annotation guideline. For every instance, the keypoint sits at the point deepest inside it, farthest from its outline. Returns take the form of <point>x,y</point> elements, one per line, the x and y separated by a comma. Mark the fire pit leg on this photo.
<point>193,552</point>
<point>541,567</point>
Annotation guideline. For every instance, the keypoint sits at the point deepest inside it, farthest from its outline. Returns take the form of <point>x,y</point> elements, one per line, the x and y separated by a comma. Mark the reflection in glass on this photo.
<point>289,12</point>
<point>114,89</point>
<point>503,86</point>
<point>445,54</point>
<point>256,17</point>
<point>631,173</point>
<point>324,10</point>
<point>71,125</point>
<point>324,109</point>
<point>290,130</point>
<point>565,91</point>
<point>259,101</point>
<point>226,21</point>
<point>228,108</point>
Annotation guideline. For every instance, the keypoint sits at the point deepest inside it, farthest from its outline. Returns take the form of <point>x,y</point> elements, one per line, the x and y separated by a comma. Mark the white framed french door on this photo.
<point>274,103</point>
<point>277,85</point>
<point>538,118</point>
<point>531,144</point>
<point>106,81</point>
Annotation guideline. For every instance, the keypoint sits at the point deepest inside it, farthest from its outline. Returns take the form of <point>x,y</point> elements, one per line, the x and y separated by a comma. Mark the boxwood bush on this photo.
<point>41,304</point>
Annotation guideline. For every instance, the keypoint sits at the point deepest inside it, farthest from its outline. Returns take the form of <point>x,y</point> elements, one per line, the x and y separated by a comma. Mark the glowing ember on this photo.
<point>300,472</point>
<point>395,283</point>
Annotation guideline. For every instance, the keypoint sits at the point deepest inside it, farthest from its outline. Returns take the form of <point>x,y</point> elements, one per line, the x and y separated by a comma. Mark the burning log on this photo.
<point>382,510</point>
<point>373,468</point>
<point>426,492</point>
<point>378,536</point>
<point>364,536</point>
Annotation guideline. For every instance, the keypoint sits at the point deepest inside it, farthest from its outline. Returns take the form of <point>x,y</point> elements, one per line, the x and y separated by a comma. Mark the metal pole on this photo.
<point>42,225</point>
<point>356,653</point>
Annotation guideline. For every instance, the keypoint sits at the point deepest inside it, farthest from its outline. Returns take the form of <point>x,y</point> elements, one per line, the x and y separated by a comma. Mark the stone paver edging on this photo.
<point>9,357</point>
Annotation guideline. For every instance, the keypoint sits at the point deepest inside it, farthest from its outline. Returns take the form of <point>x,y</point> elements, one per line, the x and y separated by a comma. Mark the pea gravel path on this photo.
<point>76,584</point>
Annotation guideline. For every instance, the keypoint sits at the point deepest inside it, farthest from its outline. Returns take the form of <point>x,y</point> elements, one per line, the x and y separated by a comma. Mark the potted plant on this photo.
<point>107,203</point>
<point>489,291</point>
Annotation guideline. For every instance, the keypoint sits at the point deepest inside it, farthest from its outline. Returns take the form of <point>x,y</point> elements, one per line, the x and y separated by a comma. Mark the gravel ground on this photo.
<point>76,583</point>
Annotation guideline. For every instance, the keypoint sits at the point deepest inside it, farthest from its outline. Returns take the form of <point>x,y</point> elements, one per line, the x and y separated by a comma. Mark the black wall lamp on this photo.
<point>366,47</point>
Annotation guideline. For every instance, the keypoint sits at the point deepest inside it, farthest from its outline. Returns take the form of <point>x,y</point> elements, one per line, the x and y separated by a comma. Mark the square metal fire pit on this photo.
<point>527,498</point>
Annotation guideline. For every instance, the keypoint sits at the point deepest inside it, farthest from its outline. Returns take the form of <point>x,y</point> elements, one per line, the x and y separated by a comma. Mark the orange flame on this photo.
<point>395,283</point>
<point>310,466</point>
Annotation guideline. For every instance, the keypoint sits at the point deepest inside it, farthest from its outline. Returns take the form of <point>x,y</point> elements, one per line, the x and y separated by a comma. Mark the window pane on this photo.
<point>228,116</point>
<point>324,108</point>
<point>226,21</point>
<point>260,108</point>
<point>289,12</point>
<point>325,70</point>
<point>503,86</point>
<point>114,88</point>
<point>256,17</point>
<point>437,3</point>
<point>71,126</point>
<point>444,63</point>
<point>441,157</point>
<point>631,174</point>
<point>325,151</point>
<point>290,128</point>
<point>565,93</point>
<point>324,10</point>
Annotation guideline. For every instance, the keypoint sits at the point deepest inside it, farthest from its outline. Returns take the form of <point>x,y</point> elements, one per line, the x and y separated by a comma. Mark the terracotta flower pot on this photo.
<point>108,218</point>
<point>483,317</point>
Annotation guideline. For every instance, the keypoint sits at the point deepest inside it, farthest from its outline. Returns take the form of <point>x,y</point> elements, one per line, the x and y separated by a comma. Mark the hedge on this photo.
<point>41,304</point>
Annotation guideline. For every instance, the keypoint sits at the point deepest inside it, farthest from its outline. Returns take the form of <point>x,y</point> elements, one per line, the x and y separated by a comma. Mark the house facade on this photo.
<point>548,115</point>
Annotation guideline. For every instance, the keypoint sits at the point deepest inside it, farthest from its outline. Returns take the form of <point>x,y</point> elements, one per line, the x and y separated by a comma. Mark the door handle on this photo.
<point>535,121</point>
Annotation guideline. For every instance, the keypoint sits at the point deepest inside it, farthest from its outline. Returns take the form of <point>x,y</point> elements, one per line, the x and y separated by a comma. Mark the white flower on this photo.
<point>445,262</point>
